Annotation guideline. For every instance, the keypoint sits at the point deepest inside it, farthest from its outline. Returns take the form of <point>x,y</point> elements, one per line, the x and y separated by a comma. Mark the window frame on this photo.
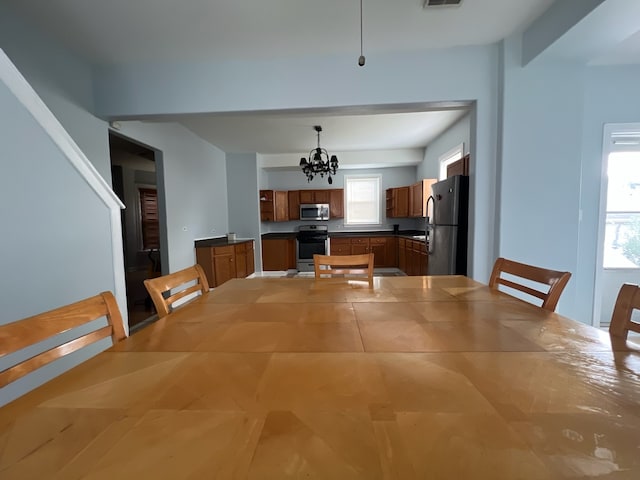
<point>449,157</point>
<point>378,202</point>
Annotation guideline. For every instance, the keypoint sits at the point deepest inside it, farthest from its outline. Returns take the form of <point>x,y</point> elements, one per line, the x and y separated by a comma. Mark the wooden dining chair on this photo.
<point>50,325</point>
<point>168,289</point>
<point>516,271</point>
<point>326,266</point>
<point>628,300</point>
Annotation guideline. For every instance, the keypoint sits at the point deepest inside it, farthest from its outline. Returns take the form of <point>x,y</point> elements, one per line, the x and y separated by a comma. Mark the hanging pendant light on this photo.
<point>319,162</point>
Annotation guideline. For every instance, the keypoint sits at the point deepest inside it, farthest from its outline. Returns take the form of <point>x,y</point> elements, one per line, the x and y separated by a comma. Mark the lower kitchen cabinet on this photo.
<point>224,262</point>
<point>412,256</point>
<point>383,248</point>
<point>278,254</point>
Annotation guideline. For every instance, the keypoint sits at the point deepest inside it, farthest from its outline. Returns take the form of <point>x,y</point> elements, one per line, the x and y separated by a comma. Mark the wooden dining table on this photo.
<point>278,378</point>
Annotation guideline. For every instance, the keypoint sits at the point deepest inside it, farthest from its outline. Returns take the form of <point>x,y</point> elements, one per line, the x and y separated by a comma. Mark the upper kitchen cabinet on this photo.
<point>274,206</point>
<point>314,196</point>
<point>336,203</point>
<point>419,193</point>
<point>294,205</point>
<point>397,202</point>
<point>459,167</point>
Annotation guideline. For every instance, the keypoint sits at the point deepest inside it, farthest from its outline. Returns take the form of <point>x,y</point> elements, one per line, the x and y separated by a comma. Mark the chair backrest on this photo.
<point>628,300</point>
<point>344,265</point>
<point>160,286</point>
<point>556,280</point>
<point>21,334</point>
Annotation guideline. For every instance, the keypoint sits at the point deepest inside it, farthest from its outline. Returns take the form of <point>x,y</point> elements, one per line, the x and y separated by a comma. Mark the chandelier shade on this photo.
<point>319,162</point>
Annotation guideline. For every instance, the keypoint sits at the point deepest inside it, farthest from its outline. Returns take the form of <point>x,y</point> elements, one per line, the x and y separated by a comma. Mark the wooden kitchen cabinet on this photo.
<point>402,254</point>
<point>419,193</point>
<point>294,204</point>
<point>412,256</point>
<point>224,262</point>
<point>278,254</point>
<point>314,196</point>
<point>274,205</point>
<point>336,203</point>
<point>459,167</point>
<point>383,248</point>
<point>397,202</point>
<point>340,246</point>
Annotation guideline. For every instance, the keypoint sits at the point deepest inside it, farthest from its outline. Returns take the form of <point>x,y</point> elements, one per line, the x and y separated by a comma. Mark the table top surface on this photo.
<point>274,378</point>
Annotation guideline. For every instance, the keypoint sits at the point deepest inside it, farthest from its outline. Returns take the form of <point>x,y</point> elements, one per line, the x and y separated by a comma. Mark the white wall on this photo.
<point>192,180</point>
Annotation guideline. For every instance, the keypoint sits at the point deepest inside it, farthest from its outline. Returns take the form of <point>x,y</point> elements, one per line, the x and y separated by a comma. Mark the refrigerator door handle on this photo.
<point>430,242</point>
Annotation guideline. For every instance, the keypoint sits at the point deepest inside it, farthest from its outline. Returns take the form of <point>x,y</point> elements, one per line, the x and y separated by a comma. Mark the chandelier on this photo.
<point>319,162</point>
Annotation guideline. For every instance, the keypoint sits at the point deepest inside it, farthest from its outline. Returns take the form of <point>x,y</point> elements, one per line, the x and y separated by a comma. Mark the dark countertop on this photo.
<point>220,242</point>
<point>344,233</point>
<point>278,235</point>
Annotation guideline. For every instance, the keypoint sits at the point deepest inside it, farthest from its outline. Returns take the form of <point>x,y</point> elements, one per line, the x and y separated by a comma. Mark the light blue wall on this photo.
<point>45,266</point>
<point>64,83</point>
<point>193,183</point>
<point>610,96</point>
<point>459,132</point>
<point>420,77</point>
<point>242,193</point>
<point>540,189</point>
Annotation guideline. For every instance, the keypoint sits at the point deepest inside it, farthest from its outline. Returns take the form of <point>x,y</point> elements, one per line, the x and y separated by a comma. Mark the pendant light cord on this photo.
<point>360,27</point>
<point>361,59</point>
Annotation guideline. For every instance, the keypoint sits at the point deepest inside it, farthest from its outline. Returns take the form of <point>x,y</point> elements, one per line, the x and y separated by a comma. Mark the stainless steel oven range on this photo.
<point>311,239</point>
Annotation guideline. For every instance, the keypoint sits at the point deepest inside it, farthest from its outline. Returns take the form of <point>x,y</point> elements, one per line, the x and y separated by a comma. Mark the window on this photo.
<point>622,222</point>
<point>149,219</point>
<point>448,158</point>
<point>362,200</point>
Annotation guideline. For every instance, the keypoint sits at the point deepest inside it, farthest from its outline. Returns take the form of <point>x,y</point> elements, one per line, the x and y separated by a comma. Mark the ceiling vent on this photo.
<point>441,3</point>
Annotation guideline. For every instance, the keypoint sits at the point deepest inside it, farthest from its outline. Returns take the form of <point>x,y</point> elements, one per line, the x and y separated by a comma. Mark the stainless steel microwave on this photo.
<point>314,211</point>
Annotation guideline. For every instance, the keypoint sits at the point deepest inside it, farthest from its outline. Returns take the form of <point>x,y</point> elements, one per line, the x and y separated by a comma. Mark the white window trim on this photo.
<point>447,158</point>
<point>378,178</point>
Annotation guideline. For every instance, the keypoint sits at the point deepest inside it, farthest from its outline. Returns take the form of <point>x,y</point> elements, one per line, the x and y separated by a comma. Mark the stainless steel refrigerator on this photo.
<point>447,230</point>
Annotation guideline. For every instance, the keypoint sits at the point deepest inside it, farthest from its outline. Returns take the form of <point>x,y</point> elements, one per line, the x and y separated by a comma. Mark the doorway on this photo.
<point>134,180</point>
<point>619,237</point>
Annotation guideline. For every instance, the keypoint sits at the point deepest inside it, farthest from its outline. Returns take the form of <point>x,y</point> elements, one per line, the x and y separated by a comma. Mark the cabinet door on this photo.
<point>281,206</point>
<point>223,264</point>
<point>250,258</point>
<point>336,203</point>
<point>307,196</point>
<point>321,196</point>
<point>460,167</point>
<point>204,258</point>
<point>240,252</point>
<point>340,246</point>
<point>278,254</point>
<point>359,245</point>
<point>294,205</point>
<point>402,254</point>
<point>401,207</point>
<point>377,246</point>
<point>415,200</point>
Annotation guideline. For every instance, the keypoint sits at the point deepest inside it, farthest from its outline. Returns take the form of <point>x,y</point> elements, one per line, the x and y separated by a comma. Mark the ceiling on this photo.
<point>124,32</point>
